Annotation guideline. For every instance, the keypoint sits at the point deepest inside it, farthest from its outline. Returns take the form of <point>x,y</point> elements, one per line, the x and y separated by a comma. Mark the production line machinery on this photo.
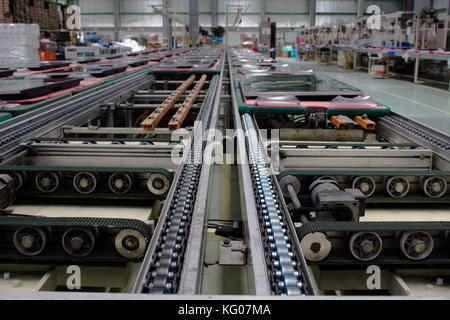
<point>304,190</point>
<point>95,151</point>
<point>328,170</point>
<point>174,261</point>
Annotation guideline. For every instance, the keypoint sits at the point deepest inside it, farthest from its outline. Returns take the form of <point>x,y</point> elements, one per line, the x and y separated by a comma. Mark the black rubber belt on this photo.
<point>371,226</point>
<point>110,223</point>
<point>162,171</point>
<point>330,172</point>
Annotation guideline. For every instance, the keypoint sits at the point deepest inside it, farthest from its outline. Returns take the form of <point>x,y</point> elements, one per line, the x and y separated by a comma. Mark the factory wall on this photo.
<point>98,13</point>
<point>442,6</point>
<point>138,13</point>
<point>385,6</point>
<point>287,14</point>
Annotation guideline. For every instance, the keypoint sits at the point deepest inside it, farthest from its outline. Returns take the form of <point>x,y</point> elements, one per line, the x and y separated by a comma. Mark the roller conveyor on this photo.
<point>328,175</point>
<point>304,195</point>
<point>161,271</point>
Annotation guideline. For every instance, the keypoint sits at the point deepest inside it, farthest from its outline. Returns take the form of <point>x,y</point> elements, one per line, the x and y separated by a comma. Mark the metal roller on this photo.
<point>416,245</point>
<point>48,181</point>
<point>158,184</point>
<point>397,187</point>
<point>289,180</point>
<point>79,242</point>
<point>365,246</point>
<point>85,182</point>
<point>316,246</point>
<point>326,178</point>
<point>434,187</point>
<point>120,182</point>
<point>130,243</point>
<point>365,184</point>
<point>30,241</point>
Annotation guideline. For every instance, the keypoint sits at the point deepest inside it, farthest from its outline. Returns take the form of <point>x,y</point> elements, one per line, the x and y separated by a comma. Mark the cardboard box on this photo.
<point>76,52</point>
<point>279,52</point>
<point>5,14</point>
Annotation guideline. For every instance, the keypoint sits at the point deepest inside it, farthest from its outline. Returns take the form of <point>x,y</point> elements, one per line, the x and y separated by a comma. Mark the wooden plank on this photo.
<point>156,116</point>
<point>182,112</point>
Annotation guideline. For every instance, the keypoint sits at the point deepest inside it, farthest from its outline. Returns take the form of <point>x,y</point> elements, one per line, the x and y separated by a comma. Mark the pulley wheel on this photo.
<point>130,243</point>
<point>78,242</point>
<point>120,182</point>
<point>315,246</point>
<point>30,241</point>
<point>47,182</point>
<point>416,245</point>
<point>365,246</point>
<point>85,182</point>
<point>158,184</point>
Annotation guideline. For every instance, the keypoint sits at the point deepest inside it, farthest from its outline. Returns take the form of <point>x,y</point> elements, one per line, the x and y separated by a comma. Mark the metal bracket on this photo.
<point>232,253</point>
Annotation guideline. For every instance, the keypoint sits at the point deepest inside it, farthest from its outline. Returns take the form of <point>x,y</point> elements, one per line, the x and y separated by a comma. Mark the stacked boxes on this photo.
<point>48,15</point>
<point>5,12</point>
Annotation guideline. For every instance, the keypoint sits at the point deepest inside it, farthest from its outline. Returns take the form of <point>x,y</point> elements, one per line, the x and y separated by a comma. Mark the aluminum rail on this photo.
<point>50,117</point>
<point>121,130</point>
<point>171,236</point>
<point>401,129</point>
<point>194,257</point>
<point>256,258</point>
<point>288,273</point>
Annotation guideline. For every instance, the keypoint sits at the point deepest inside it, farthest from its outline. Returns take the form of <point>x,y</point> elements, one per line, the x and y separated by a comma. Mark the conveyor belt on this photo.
<point>95,183</point>
<point>12,134</point>
<point>162,267</point>
<point>393,243</point>
<point>284,272</point>
<point>435,138</point>
<point>90,239</point>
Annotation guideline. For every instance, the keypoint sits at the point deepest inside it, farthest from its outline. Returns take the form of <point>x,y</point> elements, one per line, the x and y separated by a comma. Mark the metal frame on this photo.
<point>253,239</point>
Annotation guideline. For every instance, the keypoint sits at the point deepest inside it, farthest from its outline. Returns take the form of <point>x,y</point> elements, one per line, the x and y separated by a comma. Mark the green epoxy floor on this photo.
<point>425,104</point>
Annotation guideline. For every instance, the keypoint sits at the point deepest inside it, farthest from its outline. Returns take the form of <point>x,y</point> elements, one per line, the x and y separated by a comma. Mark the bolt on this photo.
<point>315,247</point>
